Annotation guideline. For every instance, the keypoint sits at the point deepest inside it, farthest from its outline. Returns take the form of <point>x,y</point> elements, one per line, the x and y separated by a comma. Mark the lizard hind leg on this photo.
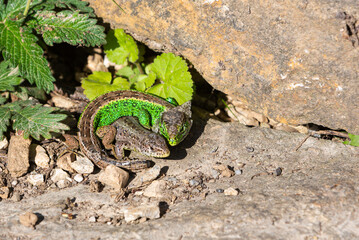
<point>119,149</point>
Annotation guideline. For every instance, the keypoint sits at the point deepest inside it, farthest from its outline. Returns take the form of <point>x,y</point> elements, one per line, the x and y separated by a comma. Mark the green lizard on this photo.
<point>154,113</point>
<point>128,134</point>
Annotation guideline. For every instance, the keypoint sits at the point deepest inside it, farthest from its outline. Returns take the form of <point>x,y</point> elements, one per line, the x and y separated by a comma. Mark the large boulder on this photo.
<point>295,61</point>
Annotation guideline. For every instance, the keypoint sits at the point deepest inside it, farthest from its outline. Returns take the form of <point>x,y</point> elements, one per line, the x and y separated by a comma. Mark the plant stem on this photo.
<point>27,7</point>
<point>139,68</point>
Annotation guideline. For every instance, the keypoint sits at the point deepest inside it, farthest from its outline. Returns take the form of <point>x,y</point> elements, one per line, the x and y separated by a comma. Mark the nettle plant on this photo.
<point>166,77</point>
<point>21,23</point>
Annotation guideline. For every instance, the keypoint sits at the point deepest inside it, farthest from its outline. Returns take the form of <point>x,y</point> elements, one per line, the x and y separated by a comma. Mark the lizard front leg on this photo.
<point>107,134</point>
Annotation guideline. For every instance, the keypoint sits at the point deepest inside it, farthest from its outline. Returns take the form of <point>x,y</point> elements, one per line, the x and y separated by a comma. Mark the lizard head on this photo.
<point>176,123</point>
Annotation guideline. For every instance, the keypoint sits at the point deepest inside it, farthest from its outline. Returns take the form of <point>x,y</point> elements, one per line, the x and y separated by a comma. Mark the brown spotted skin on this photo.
<point>90,144</point>
<point>130,135</point>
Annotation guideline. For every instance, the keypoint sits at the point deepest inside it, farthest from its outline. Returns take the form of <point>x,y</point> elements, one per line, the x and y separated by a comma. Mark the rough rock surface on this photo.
<point>315,196</point>
<point>295,61</point>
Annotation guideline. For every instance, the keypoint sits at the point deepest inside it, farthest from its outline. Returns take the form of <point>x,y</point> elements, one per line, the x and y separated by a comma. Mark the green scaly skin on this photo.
<point>172,122</point>
<point>128,134</point>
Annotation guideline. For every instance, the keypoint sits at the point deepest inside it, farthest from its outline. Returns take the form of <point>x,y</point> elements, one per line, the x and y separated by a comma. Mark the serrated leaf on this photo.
<point>74,5</point>
<point>38,121</point>
<point>68,26</point>
<point>21,49</point>
<point>177,82</point>
<point>4,120</point>
<point>12,9</point>
<point>9,77</point>
<point>354,140</point>
<point>99,83</point>
<point>121,47</point>
<point>2,100</point>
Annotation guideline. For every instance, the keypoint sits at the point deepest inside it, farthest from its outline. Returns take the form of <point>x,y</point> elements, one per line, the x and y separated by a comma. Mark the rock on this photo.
<point>215,173</point>
<point>39,156</point>
<point>28,219</point>
<point>36,179</point>
<point>285,127</point>
<point>63,183</point>
<point>16,197</point>
<point>58,174</point>
<point>92,219</point>
<point>4,143</point>
<point>238,172</point>
<point>18,155</point>
<point>193,183</point>
<point>114,177</point>
<point>155,189</point>
<point>224,170</point>
<point>270,67</point>
<point>63,102</point>
<point>231,192</point>
<point>4,192</point>
<point>149,211</point>
<point>145,176</point>
<point>78,178</point>
<point>64,162</point>
<point>227,173</point>
<point>14,183</point>
<point>82,165</point>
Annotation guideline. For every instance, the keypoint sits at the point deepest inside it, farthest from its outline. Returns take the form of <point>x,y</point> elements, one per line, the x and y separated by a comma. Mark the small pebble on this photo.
<point>82,165</point>
<point>92,219</point>
<point>193,183</point>
<point>231,192</point>
<point>215,174</point>
<point>14,183</point>
<point>173,180</point>
<point>4,192</point>
<point>278,171</point>
<point>114,177</point>
<point>28,219</point>
<point>36,179</point>
<point>238,172</point>
<point>58,174</point>
<point>227,173</point>
<point>145,176</point>
<point>155,189</point>
<point>250,149</point>
<point>4,144</point>
<point>62,183</point>
<point>41,158</point>
<point>219,190</point>
<point>78,178</point>
<point>144,211</point>
<point>16,197</point>
<point>64,161</point>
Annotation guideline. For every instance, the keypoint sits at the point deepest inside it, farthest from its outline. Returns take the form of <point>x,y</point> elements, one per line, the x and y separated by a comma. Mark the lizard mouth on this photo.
<point>161,154</point>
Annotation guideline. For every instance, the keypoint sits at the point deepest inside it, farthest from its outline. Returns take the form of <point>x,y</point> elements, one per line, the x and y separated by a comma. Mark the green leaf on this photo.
<point>176,81</point>
<point>4,120</point>
<point>99,83</point>
<point>13,9</point>
<point>126,72</point>
<point>68,26</point>
<point>145,81</point>
<point>8,77</point>
<point>38,121</point>
<point>19,46</point>
<point>354,140</point>
<point>74,5</point>
<point>121,47</point>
